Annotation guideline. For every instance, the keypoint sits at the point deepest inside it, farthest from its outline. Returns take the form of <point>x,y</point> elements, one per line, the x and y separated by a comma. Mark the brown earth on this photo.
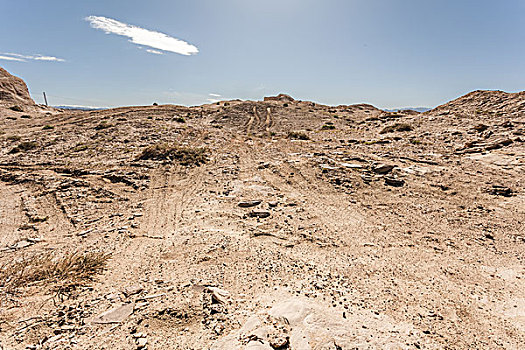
<point>308,226</point>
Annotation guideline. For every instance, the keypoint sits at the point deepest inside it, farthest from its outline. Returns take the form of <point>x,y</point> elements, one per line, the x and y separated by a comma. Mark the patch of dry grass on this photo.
<point>63,272</point>
<point>298,135</point>
<point>173,152</point>
<point>24,146</point>
<point>396,127</point>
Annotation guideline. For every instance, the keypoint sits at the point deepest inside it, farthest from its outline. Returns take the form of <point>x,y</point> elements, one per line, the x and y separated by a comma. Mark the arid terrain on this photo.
<point>275,224</point>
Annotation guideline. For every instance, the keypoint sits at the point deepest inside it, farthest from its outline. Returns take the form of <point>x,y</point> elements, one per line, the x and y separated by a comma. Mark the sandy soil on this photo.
<point>409,237</point>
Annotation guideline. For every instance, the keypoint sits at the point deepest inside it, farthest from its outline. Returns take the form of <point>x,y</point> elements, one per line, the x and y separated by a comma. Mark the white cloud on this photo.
<point>7,58</point>
<point>154,51</point>
<point>22,58</point>
<point>141,36</point>
<point>215,95</point>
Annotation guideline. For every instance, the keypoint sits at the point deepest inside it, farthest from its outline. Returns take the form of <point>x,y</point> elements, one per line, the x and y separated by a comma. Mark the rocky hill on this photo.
<point>13,90</point>
<point>276,224</point>
<point>483,101</point>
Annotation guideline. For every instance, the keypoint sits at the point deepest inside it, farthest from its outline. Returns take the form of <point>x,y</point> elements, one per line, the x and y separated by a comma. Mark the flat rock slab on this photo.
<point>115,315</point>
<point>383,168</point>
<point>305,325</point>
<point>392,181</point>
<point>351,166</point>
<point>249,204</point>
<point>259,214</point>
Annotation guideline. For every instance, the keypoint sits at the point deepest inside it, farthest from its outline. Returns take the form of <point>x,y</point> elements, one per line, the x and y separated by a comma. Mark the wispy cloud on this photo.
<point>154,52</point>
<point>141,36</point>
<point>213,98</point>
<point>9,56</point>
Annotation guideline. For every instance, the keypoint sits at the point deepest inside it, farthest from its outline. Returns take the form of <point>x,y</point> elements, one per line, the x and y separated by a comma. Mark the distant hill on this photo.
<point>417,109</point>
<point>80,108</point>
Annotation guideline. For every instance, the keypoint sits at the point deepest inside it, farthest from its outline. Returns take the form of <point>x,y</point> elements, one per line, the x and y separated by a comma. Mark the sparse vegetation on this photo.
<point>103,125</point>
<point>64,272</point>
<point>481,127</point>
<point>183,155</point>
<point>396,127</point>
<point>48,127</point>
<point>16,108</point>
<point>14,138</point>
<point>179,119</point>
<point>298,135</point>
<point>328,126</point>
<point>80,147</point>
<point>25,116</point>
<point>24,146</point>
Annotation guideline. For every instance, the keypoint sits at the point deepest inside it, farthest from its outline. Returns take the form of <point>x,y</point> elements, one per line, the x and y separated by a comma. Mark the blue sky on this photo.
<point>388,53</point>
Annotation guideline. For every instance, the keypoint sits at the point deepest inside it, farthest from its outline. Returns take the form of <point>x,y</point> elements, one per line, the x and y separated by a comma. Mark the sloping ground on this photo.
<point>485,101</point>
<point>372,230</point>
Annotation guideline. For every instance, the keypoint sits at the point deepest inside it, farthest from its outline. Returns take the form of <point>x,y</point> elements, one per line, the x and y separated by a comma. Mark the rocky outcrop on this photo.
<point>279,98</point>
<point>13,90</point>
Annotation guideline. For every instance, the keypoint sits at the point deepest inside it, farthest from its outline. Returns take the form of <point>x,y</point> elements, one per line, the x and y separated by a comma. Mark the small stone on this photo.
<point>218,295</point>
<point>141,343</point>
<point>115,315</point>
<point>21,244</point>
<point>132,290</point>
<point>279,341</point>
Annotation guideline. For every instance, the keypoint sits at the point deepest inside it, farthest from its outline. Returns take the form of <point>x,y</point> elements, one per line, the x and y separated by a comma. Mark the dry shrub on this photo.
<point>24,146</point>
<point>397,127</point>
<point>298,135</point>
<point>64,272</point>
<point>173,152</point>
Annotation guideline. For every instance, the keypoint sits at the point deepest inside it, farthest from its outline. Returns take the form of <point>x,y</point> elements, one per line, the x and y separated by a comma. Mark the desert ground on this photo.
<point>275,224</point>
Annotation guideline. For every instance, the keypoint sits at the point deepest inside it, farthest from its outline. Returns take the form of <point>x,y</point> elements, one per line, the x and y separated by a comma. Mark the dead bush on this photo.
<point>24,146</point>
<point>396,127</point>
<point>62,272</point>
<point>103,125</point>
<point>298,135</point>
<point>173,152</point>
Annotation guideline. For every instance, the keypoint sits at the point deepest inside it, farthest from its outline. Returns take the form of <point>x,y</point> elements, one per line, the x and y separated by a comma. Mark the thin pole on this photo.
<point>45,98</point>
